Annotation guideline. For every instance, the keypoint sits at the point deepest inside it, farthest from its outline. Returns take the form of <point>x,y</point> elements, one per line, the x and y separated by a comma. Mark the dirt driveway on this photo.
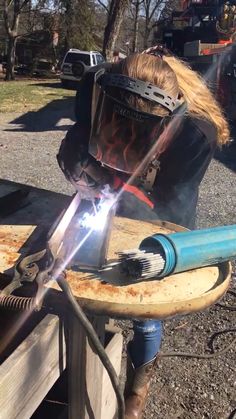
<point>182,388</point>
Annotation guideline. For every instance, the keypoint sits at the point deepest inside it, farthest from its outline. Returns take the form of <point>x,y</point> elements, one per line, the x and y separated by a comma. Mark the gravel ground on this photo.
<point>182,388</point>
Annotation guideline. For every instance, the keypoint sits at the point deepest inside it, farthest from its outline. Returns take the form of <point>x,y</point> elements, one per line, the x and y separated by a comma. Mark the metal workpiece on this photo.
<point>91,239</point>
<point>57,232</point>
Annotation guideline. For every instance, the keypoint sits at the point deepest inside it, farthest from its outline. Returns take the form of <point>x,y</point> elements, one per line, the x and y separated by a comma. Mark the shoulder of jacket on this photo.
<point>107,66</point>
<point>203,127</point>
<point>88,77</point>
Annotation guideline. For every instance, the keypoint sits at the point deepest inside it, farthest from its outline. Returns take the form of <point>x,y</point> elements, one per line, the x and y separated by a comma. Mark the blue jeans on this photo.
<point>146,341</point>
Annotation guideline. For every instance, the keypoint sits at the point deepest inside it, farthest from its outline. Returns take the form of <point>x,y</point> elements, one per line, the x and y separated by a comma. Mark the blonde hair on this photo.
<point>148,68</point>
<point>200,101</point>
<point>178,79</point>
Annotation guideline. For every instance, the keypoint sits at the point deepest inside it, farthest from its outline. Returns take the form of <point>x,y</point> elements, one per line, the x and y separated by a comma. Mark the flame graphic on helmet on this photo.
<point>124,142</point>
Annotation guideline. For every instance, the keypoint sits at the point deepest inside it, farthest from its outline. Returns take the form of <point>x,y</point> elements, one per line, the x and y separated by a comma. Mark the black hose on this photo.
<point>94,340</point>
<point>215,354</point>
<point>202,356</point>
<point>228,306</point>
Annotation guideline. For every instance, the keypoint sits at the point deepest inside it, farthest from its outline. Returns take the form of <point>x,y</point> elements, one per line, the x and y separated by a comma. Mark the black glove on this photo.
<point>79,167</point>
<point>72,154</point>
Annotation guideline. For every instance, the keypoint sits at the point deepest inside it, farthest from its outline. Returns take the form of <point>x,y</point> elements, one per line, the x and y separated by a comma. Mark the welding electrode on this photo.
<point>161,255</point>
<point>139,264</point>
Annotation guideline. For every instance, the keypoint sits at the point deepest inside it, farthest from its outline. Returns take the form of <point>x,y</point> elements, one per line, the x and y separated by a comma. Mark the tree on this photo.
<point>12,12</point>
<point>165,19</point>
<point>135,10</point>
<point>116,13</point>
<point>152,11</point>
<point>77,23</point>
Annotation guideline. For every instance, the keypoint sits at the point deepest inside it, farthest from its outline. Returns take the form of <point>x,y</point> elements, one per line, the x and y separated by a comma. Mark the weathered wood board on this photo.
<point>114,352</point>
<point>31,370</point>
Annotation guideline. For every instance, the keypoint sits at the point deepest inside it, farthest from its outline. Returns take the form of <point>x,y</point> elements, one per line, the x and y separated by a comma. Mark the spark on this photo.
<point>97,220</point>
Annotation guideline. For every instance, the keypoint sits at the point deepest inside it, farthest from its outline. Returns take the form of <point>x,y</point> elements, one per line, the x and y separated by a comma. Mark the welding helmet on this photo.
<point>121,136</point>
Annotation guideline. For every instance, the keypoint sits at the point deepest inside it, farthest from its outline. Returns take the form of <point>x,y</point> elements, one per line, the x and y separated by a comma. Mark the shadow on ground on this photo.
<point>58,85</point>
<point>49,85</point>
<point>52,117</point>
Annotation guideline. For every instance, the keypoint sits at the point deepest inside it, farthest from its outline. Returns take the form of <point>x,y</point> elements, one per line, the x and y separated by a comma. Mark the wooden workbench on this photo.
<point>103,296</point>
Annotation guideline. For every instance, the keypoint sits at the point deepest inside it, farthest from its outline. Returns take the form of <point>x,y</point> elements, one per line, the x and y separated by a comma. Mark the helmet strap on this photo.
<point>148,177</point>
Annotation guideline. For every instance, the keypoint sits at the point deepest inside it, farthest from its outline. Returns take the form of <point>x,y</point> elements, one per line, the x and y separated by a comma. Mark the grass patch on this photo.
<point>30,95</point>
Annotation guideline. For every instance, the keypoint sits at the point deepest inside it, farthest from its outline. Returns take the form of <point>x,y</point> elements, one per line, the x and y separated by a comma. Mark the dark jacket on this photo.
<point>182,165</point>
<point>182,168</point>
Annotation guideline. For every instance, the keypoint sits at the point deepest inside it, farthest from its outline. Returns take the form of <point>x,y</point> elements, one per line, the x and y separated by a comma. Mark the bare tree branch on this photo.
<point>150,9</point>
<point>155,8</point>
<point>10,3</point>
<point>115,17</point>
<point>103,5</point>
<point>6,17</point>
<point>135,4</point>
<point>11,14</point>
<point>135,9</point>
<point>24,3</point>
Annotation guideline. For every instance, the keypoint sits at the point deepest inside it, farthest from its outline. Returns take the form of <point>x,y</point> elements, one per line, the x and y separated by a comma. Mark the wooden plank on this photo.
<point>109,401</point>
<point>110,327</point>
<point>85,371</point>
<point>32,369</point>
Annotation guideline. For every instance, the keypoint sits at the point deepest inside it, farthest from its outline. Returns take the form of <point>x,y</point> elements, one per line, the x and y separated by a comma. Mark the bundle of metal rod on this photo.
<point>137,264</point>
<point>161,255</point>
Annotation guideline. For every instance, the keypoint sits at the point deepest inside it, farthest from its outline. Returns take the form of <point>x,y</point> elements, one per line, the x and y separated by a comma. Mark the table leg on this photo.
<point>85,371</point>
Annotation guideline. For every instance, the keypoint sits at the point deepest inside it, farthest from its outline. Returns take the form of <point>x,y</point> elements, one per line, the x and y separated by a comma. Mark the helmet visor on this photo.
<point>121,136</point>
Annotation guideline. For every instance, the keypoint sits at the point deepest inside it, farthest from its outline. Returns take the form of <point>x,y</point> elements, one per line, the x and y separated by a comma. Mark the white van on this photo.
<point>80,60</point>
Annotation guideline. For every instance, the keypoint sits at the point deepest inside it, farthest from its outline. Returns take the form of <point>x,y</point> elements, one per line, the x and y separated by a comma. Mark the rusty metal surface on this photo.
<point>178,294</point>
<point>12,239</point>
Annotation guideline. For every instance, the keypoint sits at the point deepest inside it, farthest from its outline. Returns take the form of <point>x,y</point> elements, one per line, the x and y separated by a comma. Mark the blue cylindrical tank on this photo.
<point>193,249</point>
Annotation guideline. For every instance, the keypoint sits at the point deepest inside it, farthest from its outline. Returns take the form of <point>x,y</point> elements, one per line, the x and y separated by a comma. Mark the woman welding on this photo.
<point>147,126</point>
